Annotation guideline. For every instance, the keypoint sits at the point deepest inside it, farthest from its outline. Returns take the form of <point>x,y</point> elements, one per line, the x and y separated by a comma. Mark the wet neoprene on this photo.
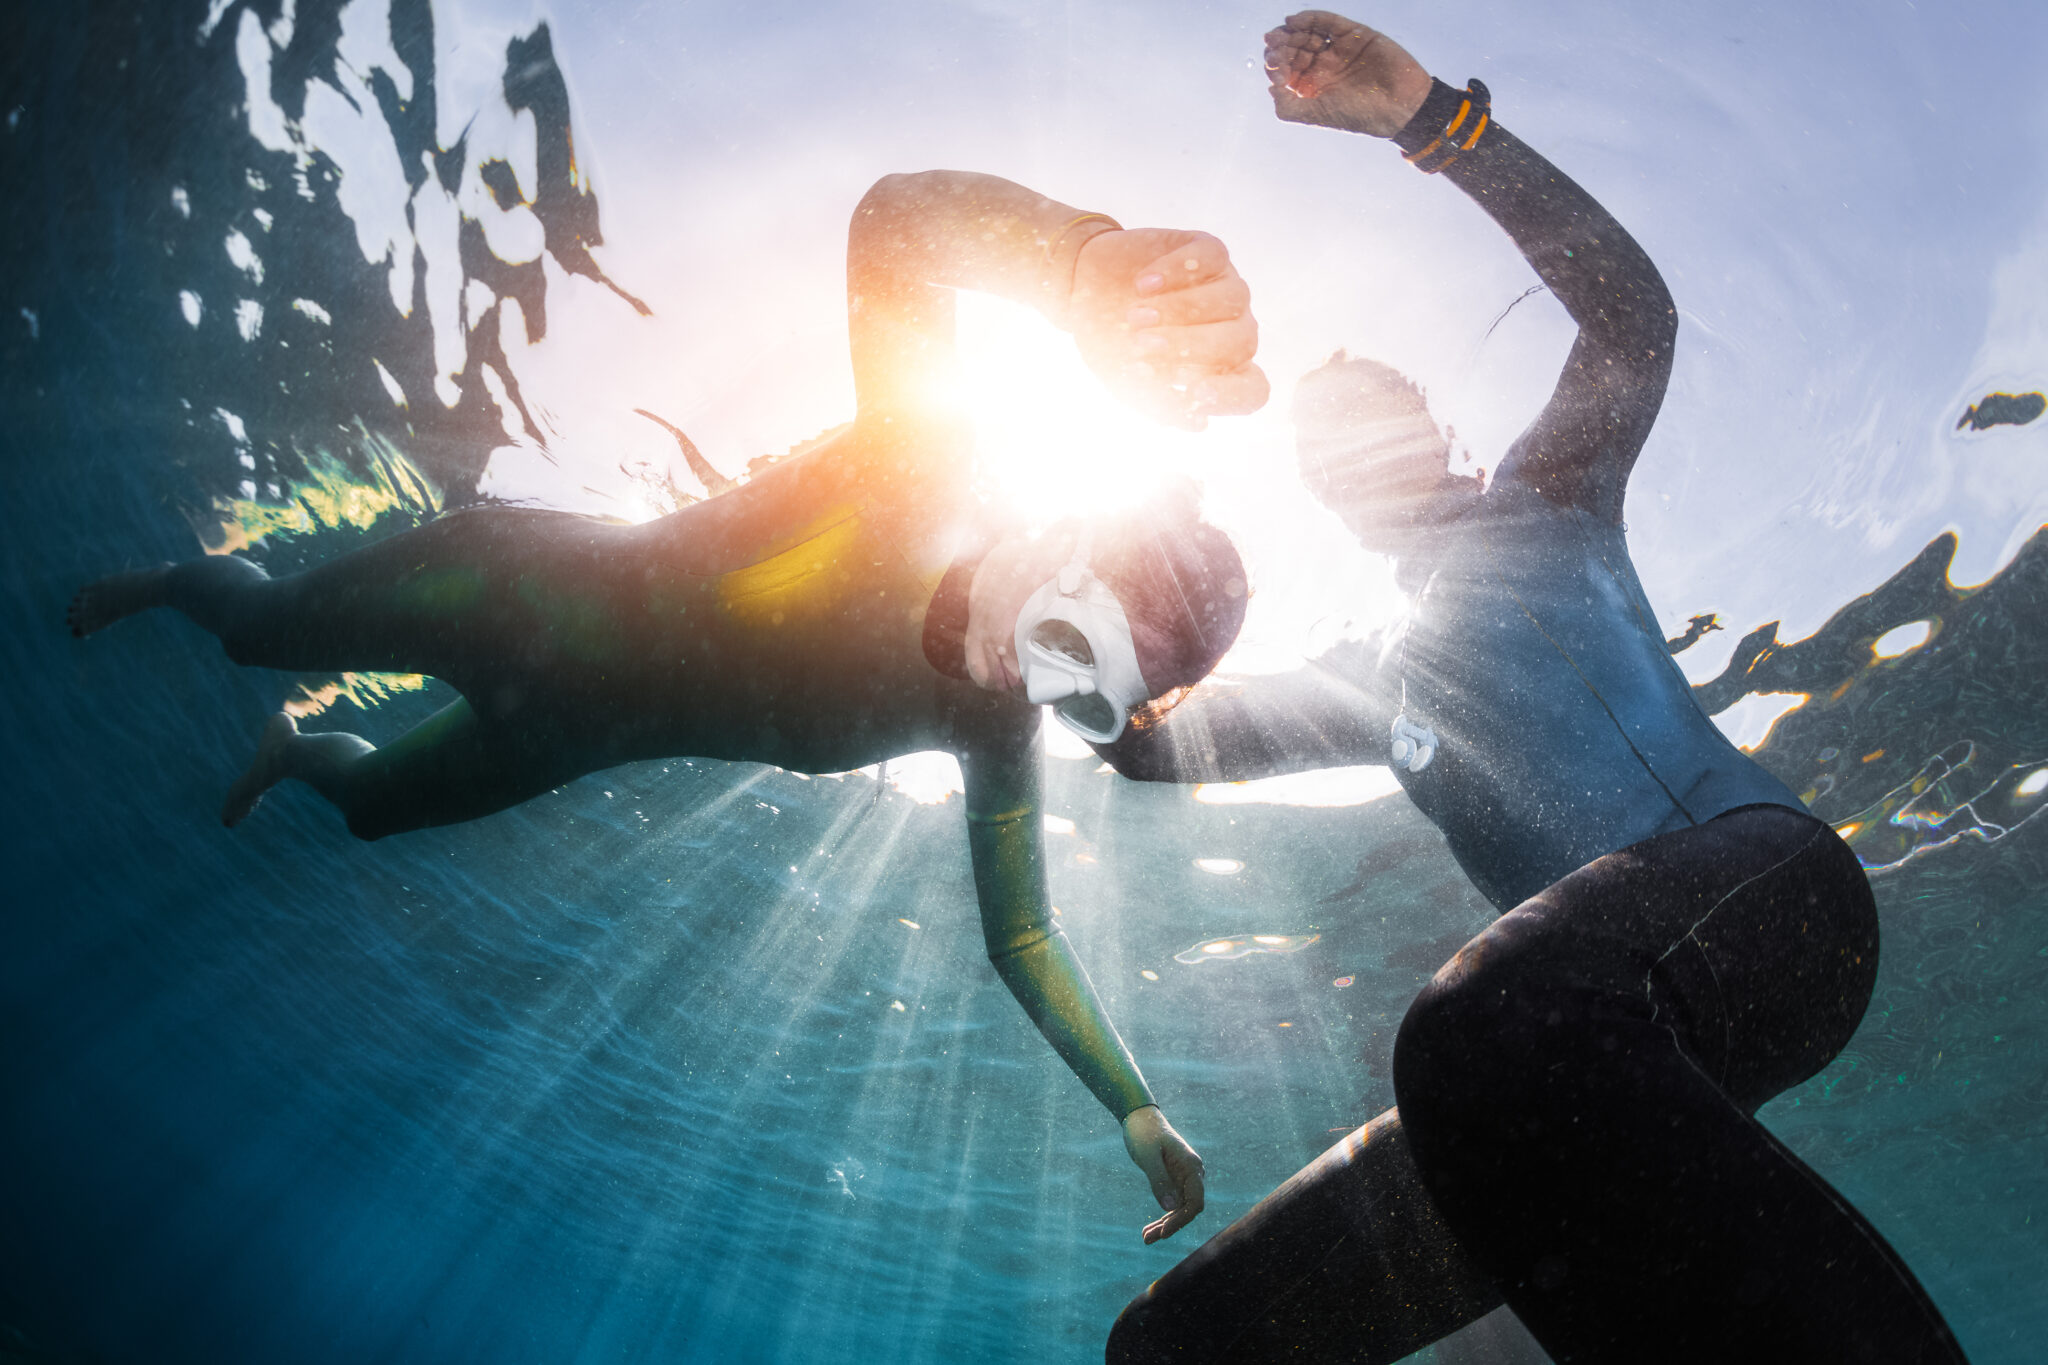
<point>783,622</point>
<point>1683,941</point>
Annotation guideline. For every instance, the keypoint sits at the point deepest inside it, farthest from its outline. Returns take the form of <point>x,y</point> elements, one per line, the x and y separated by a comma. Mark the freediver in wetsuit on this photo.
<point>1680,940</point>
<point>845,607</point>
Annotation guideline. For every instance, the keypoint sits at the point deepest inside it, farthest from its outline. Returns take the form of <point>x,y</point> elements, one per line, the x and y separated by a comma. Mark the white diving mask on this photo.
<point>1075,650</point>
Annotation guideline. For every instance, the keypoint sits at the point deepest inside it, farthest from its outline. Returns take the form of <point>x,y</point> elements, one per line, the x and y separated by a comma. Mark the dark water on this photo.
<point>621,1075</point>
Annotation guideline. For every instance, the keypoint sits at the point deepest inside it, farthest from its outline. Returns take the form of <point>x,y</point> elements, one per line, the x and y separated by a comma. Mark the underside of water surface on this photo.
<point>699,1061</point>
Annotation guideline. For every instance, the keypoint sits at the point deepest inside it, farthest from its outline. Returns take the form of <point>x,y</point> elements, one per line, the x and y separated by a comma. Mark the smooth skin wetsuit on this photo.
<point>813,618</point>
<point>1680,940</point>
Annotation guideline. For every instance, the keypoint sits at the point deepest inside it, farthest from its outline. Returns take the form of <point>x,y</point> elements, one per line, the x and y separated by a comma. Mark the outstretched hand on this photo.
<point>1337,73</point>
<point>1170,1164</point>
<point>1163,317</point>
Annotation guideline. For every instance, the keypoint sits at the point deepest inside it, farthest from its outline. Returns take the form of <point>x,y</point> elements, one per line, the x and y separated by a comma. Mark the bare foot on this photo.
<point>266,770</point>
<point>98,605</point>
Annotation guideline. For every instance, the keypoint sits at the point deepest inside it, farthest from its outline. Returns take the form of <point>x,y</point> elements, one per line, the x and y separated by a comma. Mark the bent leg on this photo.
<point>443,598</point>
<point>1578,1086</point>
<point>451,767</point>
<point>1348,1261</point>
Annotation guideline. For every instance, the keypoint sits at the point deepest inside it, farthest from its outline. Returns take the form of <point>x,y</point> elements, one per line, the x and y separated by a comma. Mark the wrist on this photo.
<point>1063,259</point>
<point>1449,124</point>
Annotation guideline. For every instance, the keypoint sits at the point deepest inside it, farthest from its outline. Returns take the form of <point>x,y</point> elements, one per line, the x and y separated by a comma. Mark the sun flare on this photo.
<point>1049,436</point>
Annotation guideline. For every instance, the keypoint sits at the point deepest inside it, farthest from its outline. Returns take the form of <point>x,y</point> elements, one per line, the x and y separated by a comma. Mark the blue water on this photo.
<point>621,1075</point>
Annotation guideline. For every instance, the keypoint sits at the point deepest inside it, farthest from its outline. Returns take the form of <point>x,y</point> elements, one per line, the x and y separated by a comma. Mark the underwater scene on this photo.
<point>681,1041</point>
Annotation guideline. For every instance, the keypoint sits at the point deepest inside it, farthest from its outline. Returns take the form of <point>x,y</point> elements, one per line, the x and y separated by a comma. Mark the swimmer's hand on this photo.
<point>1337,73</point>
<point>1170,1164</point>
<point>1165,320</point>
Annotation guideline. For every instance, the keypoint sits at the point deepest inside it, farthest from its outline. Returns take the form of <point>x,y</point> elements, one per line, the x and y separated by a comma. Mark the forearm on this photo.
<point>1598,272</point>
<point>916,238</point>
<point>1049,982</point>
<point>1238,731</point>
<point>966,230</point>
<point>1037,963</point>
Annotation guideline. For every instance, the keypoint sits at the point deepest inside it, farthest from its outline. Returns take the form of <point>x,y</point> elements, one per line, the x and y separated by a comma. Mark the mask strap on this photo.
<point>1076,569</point>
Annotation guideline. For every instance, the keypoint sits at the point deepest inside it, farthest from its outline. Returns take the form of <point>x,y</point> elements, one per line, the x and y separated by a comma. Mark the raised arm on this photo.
<point>1331,71</point>
<point>1160,314</point>
<point>1006,835</point>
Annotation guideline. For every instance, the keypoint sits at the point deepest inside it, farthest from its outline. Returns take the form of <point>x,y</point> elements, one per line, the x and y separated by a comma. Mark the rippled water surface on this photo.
<point>694,1061</point>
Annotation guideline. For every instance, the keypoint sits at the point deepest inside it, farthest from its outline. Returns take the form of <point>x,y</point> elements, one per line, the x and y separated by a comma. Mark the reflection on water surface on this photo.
<point>705,1063</point>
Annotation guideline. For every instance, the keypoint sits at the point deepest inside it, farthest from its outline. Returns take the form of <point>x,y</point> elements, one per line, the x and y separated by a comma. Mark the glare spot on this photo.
<point>308,308</point>
<point>214,11</point>
<point>1052,438</point>
<point>181,201</point>
<point>928,778</point>
<point>911,922</point>
<point>1848,831</point>
<point>1149,974</point>
<point>249,318</point>
<point>897,1005</point>
<point>390,384</point>
<point>1058,824</point>
<point>1341,982</point>
<point>1901,639</point>
<point>244,256</point>
<point>1236,946</point>
<point>188,304</point>
<point>1221,867</point>
<point>1286,1024</point>
<point>1747,724</point>
<point>2034,784</point>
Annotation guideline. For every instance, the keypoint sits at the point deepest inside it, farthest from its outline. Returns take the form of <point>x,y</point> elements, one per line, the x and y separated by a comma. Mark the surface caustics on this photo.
<point>697,1061</point>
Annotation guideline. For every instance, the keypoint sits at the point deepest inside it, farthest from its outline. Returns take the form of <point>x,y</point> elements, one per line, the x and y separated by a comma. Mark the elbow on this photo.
<point>900,191</point>
<point>891,189</point>
<point>1656,313</point>
<point>1661,325</point>
<point>886,201</point>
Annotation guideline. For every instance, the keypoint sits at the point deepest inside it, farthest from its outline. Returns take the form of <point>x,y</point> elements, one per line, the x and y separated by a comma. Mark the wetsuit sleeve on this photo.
<point>1006,835</point>
<point>1319,716</point>
<point>1580,449</point>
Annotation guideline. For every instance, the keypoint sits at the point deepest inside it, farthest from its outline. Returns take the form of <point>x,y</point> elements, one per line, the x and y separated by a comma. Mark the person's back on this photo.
<point>798,600</point>
<point>1563,728</point>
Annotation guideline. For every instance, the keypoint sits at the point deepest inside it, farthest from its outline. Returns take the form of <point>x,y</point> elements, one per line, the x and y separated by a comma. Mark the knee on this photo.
<point>1476,1047</point>
<point>1129,1341</point>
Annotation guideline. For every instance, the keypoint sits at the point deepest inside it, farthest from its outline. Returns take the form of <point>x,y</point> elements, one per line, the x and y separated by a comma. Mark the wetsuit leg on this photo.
<point>441,599</point>
<point>451,767</point>
<point>1578,1086</point>
<point>1348,1261</point>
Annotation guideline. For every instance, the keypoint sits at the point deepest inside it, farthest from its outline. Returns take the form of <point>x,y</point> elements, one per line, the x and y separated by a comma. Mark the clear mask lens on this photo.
<point>1092,714</point>
<point>1060,640</point>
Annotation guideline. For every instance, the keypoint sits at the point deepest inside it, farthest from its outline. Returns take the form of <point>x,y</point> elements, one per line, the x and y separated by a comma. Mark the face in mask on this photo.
<point>1075,650</point>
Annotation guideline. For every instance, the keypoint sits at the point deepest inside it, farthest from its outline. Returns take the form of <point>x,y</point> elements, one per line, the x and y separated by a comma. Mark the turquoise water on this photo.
<point>622,1075</point>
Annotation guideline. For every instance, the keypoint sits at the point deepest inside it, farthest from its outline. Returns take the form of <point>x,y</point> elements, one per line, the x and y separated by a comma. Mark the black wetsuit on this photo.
<point>811,619</point>
<point>1681,939</point>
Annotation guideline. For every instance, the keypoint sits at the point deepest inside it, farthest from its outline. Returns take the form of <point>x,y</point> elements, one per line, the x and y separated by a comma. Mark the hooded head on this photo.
<point>1368,448</point>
